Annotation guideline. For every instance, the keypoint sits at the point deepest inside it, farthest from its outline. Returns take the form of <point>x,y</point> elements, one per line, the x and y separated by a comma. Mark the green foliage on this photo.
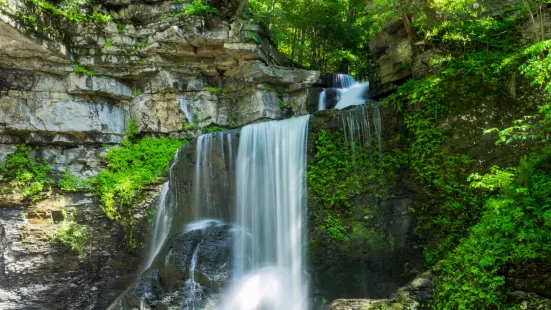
<point>334,227</point>
<point>70,183</point>
<point>212,90</point>
<point>108,43</point>
<point>208,129</point>
<point>69,10</point>
<point>24,175</point>
<point>281,99</point>
<point>121,28</point>
<point>515,227</point>
<point>199,8</point>
<point>330,36</point>
<point>130,167</point>
<point>536,127</point>
<point>132,130</point>
<point>73,235</point>
<point>83,70</point>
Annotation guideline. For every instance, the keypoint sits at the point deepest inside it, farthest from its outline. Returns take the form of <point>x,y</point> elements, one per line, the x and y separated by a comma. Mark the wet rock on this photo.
<point>172,281</point>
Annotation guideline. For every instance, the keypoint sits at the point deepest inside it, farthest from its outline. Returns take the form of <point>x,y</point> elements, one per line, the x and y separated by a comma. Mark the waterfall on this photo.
<point>269,255</point>
<point>321,100</point>
<point>358,125</point>
<point>343,80</point>
<point>186,109</point>
<point>353,95</point>
<point>346,90</point>
<point>163,219</point>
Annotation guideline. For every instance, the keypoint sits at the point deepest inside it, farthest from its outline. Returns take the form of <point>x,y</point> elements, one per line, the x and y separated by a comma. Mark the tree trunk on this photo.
<point>240,8</point>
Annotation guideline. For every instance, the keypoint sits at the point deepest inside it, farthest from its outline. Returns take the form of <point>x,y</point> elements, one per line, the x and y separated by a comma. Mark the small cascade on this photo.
<point>214,168</point>
<point>269,255</point>
<point>193,290</point>
<point>345,92</point>
<point>193,287</point>
<point>354,95</point>
<point>343,80</point>
<point>322,100</point>
<point>163,220</point>
<point>185,107</point>
<point>363,124</point>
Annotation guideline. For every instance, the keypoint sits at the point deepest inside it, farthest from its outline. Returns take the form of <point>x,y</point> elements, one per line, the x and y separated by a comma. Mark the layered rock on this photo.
<point>36,272</point>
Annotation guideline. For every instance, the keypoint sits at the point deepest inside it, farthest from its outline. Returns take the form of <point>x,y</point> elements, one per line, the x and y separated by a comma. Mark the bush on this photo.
<point>131,166</point>
<point>24,175</point>
<point>515,227</point>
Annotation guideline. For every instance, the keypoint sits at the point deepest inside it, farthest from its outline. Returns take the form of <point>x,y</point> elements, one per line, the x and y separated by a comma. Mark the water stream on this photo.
<point>269,267</point>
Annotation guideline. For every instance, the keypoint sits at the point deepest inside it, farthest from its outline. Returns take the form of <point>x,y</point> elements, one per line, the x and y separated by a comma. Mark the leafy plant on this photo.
<point>24,175</point>
<point>83,70</point>
<point>72,234</point>
<point>121,28</point>
<point>212,90</point>
<point>130,167</point>
<point>199,8</point>
<point>70,183</point>
<point>515,227</point>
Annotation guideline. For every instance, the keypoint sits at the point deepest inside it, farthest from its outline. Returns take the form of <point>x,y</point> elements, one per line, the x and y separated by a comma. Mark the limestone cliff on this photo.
<point>70,89</point>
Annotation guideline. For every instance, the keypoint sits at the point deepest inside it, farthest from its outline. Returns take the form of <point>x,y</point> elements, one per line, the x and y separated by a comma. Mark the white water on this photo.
<point>321,100</point>
<point>350,92</point>
<point>343,80</point>
<point>186,109</point>
<point>269,253</point>
<point>354,95</point>
<point>191,281</point>
<point>163,220</point>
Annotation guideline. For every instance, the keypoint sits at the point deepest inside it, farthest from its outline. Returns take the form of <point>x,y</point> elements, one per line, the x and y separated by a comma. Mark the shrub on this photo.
<point>24,175</point>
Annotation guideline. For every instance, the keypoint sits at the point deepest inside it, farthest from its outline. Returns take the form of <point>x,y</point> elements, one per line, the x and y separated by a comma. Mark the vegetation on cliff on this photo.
<point>131,166</point>
<point>476,228</point>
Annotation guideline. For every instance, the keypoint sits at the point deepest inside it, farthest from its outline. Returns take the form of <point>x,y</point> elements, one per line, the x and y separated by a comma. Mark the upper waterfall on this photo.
<point>345,92</point>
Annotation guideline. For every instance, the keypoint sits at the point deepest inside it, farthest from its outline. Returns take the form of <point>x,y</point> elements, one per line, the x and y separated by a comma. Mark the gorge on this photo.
<point>201,155</point>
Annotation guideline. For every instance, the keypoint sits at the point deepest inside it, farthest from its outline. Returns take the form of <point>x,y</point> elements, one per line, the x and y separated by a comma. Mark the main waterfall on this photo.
<point>268,256</point>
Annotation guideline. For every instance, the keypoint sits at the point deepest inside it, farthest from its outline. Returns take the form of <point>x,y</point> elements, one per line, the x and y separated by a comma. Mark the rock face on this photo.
<point>37,273</point>
<point>414,296</point>
<point>189,272</point>
<point>160,69</point>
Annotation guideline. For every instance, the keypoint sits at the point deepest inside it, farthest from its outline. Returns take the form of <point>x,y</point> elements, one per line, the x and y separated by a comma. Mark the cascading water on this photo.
<point>269,267</point>
<point>322,100</point>
<point>347,92</point>
<point>343,80</point>
<point>358,125</point>
<point>163,219</point>
<point>353,95</point>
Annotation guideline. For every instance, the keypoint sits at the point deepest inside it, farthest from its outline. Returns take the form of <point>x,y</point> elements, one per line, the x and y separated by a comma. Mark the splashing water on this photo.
<point>163,219</point>
<point>354,95</point>
<point>269,264</point>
